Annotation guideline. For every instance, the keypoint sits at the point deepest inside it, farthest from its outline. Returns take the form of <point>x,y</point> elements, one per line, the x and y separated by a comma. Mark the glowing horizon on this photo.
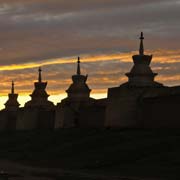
<point>22,99</point>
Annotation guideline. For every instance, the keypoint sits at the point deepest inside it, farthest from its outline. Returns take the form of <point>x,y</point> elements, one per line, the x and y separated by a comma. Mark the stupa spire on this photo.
<point>78,66</point>
<point>141,73</point>
<point>12,88</point>
<point>39,96</point>
<point>79,88</point>
<point>141,48</point>
<point>12,103</point>
<point>40,78</point>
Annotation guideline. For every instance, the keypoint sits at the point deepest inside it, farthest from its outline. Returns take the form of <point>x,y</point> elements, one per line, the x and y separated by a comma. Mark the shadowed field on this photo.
<point>96,152</point>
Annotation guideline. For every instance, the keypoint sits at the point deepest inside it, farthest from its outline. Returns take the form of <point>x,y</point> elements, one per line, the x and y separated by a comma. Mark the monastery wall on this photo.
<point>161,112</point>
<point>122,109</point>
<point>27,119</point>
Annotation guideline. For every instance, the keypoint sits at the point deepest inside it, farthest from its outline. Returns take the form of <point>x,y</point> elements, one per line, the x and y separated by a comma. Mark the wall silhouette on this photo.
<point>141,102</point>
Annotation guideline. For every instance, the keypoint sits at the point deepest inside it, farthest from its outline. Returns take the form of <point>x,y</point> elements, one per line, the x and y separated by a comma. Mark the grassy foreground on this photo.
<point>136,153</point>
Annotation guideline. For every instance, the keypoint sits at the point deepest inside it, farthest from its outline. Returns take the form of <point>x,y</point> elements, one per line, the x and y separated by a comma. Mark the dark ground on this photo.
<point>108,153</point>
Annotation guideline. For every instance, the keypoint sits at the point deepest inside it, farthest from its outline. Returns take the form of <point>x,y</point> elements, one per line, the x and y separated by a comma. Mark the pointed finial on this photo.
<point>141,48</point>
<point>12,88</point>
<point>78,66</point>
<point>39,78</point>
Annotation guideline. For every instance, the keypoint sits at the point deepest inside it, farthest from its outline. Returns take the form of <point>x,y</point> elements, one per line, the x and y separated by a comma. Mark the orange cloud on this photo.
<point>105,70</point>
<point>160,56</point>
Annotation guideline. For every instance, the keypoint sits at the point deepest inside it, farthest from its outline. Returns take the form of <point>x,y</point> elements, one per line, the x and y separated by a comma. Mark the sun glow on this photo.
<point>22,99</point>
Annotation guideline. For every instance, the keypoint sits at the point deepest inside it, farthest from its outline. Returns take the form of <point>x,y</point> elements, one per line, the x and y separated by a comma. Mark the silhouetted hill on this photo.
<point>136,153</point>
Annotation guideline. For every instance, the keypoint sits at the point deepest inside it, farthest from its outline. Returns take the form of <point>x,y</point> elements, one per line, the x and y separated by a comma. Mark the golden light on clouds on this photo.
<point>105,71</point>
<point>161,56</point>
<point>86,59</point>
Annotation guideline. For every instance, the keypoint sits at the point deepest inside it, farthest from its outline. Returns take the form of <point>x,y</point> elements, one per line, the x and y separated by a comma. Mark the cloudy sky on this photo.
<point>52,33</point>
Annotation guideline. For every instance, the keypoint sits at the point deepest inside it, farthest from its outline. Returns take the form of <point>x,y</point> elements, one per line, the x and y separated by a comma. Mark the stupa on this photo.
<point>69,112</point>
<point>141,74</point>
<point>39,95</point>
<point>12,103</point>
<point>123,103</point>
<point>78,90</point>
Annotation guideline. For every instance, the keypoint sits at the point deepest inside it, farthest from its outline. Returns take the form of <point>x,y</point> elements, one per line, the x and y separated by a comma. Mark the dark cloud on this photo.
<point>36,30</point>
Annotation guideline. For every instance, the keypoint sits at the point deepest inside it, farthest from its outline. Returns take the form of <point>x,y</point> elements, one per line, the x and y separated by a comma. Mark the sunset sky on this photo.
<point>104,33</point>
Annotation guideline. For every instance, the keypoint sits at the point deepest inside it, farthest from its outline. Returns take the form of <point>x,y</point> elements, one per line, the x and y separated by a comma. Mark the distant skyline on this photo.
<point>104,33</point>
